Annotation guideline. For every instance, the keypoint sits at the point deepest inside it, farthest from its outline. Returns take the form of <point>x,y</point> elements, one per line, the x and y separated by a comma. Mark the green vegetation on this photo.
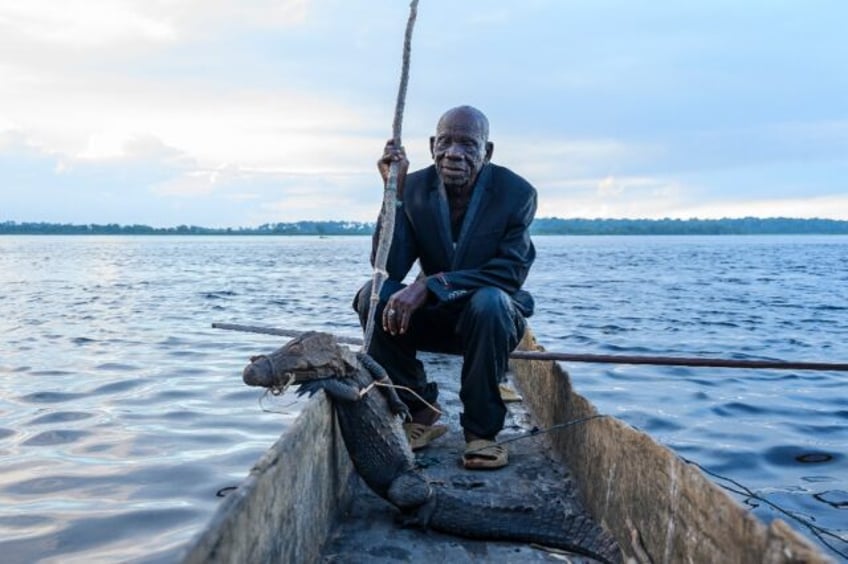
<point>743,226</point>
<point>542,226</point>
<point>298,228</point>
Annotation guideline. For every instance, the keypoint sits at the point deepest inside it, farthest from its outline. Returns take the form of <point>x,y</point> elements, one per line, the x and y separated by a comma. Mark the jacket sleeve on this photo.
<point>507,270</point>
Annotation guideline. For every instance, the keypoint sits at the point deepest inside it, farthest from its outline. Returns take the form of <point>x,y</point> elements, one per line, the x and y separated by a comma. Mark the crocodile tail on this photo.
<point>493,519</point>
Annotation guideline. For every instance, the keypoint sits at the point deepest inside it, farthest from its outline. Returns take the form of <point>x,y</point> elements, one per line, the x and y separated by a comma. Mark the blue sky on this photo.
<point>225,113</point>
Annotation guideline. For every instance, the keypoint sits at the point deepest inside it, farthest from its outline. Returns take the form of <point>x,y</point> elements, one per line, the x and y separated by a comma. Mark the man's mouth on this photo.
<point>453,171</point>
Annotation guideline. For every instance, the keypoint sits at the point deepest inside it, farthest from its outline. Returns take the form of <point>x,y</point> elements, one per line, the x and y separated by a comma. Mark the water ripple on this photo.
<point>60,417</point>
<point>56,437</point>
<point>51,397</point>
<point>124,412</point>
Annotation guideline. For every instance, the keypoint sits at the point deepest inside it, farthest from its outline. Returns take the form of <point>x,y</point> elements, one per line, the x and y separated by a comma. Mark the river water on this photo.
<point>123,414</point>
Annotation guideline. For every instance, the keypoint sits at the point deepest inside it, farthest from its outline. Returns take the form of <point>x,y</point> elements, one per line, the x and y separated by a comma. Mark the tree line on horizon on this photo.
<point>541,226</point>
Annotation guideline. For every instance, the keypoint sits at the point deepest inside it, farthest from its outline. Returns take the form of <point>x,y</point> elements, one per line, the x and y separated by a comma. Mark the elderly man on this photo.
<point>466,221</point>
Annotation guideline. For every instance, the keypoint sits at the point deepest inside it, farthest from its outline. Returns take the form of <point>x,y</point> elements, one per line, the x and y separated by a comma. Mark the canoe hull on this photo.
<point>659,508</point>
<point>284,510</point>
<point>649,498</point>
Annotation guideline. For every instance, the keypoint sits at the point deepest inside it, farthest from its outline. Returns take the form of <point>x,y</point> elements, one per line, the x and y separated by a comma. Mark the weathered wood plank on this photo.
<point>643,492</point>
<point>284,510</point>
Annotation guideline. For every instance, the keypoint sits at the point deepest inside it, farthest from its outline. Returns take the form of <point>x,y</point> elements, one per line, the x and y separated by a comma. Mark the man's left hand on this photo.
<point>401,305</point>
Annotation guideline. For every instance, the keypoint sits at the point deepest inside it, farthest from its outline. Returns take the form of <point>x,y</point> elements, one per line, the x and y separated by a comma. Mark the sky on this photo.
<point>225,113</point>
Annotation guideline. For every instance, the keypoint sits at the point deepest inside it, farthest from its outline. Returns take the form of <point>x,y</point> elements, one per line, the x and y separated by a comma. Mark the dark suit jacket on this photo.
<point>493,248</point>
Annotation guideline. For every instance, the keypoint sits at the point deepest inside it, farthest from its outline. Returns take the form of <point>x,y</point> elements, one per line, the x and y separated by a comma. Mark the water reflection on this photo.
<point>123,414</point>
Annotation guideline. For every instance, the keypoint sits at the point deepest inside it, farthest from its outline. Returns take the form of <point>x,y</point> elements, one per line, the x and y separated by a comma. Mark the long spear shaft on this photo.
<point>387,213</point>
<point>599,358</point>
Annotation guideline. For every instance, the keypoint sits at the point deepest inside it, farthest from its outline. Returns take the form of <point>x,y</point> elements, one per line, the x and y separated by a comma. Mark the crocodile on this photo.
<point>370,421</point>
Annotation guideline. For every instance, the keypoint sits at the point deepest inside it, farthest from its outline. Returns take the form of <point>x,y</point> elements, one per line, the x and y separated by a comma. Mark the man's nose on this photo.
<point>453,151</point>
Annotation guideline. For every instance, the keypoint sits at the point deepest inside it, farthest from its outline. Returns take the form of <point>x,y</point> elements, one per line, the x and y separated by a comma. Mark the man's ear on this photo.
<point>490,148</point>
<point>432,146</point>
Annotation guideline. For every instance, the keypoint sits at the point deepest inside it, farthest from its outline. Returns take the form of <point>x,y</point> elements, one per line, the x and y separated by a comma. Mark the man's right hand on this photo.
<point>402,304</point>
<point>393,154</point>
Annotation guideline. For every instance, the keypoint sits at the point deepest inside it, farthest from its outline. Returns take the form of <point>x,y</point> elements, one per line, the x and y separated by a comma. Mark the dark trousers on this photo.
<point>484,329</point>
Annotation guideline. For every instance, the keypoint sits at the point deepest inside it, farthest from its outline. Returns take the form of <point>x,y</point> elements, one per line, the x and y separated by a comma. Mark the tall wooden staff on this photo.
<point>387,214</point>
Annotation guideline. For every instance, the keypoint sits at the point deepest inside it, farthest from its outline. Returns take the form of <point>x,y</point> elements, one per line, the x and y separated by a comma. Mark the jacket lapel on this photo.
<point>439,203</point>
<point>472,214</point>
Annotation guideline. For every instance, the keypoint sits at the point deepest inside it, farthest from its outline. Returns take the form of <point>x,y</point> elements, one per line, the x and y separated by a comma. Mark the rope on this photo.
<point>383,384</point>
<point>387,213</point>
<point>740,489</point>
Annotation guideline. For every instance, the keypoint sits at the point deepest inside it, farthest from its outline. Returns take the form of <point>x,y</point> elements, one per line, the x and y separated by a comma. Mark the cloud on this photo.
<point>254,197</point>
<point>82,25</point>
<point>679,198</point>
<point>354,197</point>
<point>74,80</point>
<point>103,118</point>
<point>190,184</point>
<point>612,197</point>
<point>825,207</point>
<point>153,183</point>
<point>551,156</point>
<point>609,187</point>
<point>229,113</point>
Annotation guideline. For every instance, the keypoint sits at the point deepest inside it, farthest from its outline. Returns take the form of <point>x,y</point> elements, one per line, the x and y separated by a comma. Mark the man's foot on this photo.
<point>427,415</point>
<point>508,394</point>
<point>422,430</point>
<point>420,436</point>
<point>484,454</point>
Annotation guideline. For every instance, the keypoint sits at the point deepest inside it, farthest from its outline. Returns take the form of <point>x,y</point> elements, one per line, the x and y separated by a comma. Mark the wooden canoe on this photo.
<point>302,501</point>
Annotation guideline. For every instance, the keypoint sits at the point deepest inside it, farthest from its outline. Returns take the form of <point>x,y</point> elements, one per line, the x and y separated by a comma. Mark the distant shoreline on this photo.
<point>541,226</point>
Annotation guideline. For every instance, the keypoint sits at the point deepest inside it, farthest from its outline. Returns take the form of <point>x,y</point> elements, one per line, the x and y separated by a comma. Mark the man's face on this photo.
<point>459,148</point>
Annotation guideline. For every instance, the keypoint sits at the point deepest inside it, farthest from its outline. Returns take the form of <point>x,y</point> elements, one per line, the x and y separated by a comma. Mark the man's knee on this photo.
<point>490,301</point>
<point>492,312</point>
<point>361,301</point>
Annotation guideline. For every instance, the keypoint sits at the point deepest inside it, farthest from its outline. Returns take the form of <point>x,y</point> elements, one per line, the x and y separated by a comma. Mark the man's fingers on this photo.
<point>386,320</point>
<point>396,320</point>
<point>404,322</point>
<point>390,319</point>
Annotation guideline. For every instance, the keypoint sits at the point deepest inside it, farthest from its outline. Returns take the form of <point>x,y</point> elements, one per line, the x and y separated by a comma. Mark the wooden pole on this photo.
<point>387,213</point>
<point>678,361</point>
<point>600,358</point>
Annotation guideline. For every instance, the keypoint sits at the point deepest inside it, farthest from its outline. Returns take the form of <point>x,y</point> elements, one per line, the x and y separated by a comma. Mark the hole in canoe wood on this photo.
<point>814,457</point>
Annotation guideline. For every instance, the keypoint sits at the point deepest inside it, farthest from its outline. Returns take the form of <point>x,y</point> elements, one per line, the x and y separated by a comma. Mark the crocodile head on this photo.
<point>310,356</point>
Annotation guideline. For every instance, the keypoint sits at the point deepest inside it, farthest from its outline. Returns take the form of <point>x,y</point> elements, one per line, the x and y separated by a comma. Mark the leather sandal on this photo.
<point>420,436</point>
<point>508,394</point>
<point>483,454</point>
